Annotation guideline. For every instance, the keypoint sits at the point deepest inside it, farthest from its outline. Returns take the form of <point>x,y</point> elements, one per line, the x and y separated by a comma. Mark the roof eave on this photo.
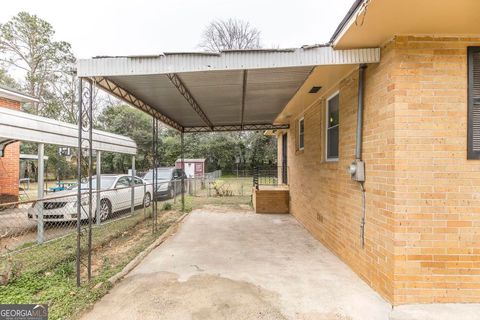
<point>16,96</point>
<point>346,21</point>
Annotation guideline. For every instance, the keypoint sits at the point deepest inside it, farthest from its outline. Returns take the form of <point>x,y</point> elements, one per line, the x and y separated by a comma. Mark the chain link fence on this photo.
<point>36,235</point>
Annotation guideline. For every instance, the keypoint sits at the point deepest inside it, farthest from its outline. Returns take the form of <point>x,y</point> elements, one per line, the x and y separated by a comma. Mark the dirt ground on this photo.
<point>118,248</point>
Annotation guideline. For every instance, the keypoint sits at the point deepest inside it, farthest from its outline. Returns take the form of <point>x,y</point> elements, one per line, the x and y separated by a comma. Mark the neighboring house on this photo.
<point>421,149</point>
<point>10,150</point>
<point>194,168</point>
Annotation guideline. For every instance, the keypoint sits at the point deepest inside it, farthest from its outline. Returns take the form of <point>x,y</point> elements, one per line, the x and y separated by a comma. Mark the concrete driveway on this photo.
<point>240,265</point>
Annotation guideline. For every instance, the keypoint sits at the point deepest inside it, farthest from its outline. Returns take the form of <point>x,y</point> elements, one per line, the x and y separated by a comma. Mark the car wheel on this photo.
<point>105,209</point>
<point>171,193</point>
<point>147,200</point>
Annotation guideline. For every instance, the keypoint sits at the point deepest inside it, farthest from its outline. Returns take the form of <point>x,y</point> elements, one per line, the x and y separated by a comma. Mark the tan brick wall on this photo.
<point>423,196</point>
<point>9,164</point>
<point>323,197</point>
<point>437,196</point>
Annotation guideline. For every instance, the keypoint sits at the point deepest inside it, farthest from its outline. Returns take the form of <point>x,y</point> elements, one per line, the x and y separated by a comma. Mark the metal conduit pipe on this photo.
<point>361,90</point>
<point>357,168</point>
<point>359,143</point>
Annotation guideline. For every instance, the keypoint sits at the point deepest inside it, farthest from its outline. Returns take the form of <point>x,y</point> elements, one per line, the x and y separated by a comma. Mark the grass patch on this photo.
<point>46,273</point>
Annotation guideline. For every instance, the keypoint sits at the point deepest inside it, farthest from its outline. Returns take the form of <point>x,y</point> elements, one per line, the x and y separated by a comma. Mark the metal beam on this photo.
<point>98,167</point>
<point>244,93</point>
<point>245,127</point>
<point>183,169</point>
<point>178,83</point>
<point>112,88</point>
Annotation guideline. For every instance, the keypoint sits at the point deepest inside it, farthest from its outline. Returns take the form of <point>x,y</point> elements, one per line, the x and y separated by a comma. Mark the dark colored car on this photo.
<point>169,181</point>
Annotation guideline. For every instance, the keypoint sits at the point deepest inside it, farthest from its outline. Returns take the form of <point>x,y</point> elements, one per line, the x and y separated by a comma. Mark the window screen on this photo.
<point>473,141</point>
<point>333,122</point>
<point>301,134</point>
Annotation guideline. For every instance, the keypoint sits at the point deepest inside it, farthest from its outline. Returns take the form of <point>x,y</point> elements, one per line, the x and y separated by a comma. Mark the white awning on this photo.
<point>20,126</point>
<point>230,90</point>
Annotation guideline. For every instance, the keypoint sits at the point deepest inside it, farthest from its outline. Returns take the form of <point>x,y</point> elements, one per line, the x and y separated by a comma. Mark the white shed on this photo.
<point>194,168</point>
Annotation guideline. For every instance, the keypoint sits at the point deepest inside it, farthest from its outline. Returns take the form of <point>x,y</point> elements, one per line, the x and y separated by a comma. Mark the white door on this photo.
<point>122,195</point>
<point>190,170</point>
<point>139,191</point>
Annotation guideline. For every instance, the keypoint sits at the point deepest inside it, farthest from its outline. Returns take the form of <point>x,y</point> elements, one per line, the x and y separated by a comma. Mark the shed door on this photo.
<point>284,159</point>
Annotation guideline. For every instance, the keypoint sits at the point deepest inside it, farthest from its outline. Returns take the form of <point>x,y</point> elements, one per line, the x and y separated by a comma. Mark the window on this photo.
<point>138,181</point>
<point>178,174</point>
<point>473,134</point>
<point>301,134</point>
<point>123,182</point>
<point>332,126</point>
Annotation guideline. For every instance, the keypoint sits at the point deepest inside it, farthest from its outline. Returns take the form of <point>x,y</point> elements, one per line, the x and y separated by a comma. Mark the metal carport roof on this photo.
<point>230,90</point>
<point>20,126</point>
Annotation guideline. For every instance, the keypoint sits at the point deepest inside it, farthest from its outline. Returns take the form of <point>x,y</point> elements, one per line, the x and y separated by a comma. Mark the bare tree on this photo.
<point>230,34</point>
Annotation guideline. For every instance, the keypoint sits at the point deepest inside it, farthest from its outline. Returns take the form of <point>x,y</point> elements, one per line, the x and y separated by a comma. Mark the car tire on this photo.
<point>171,193</point>
<point>147,200</point>
<point>105,210</point>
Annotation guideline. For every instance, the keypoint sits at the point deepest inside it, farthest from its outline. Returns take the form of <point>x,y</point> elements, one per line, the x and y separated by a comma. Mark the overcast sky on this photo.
<point>120,27</point>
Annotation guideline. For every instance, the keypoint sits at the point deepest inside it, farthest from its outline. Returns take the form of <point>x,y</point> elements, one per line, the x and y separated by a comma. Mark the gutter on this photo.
<point>358,4</point>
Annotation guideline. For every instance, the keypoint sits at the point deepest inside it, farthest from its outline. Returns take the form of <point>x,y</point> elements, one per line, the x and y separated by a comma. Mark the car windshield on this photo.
<point>105,183</point>
<point>162,174</point>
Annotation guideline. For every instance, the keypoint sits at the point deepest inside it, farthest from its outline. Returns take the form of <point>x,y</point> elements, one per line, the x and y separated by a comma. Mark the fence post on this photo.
<point>40,193</point>
<point>175,191</point>
<point>255,178</point>
<point>132,204</point>
<point>208,187</point>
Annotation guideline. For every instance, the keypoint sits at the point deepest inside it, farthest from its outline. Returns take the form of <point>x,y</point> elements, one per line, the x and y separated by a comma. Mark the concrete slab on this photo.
<point>241,265</point>
<point>437,311</point>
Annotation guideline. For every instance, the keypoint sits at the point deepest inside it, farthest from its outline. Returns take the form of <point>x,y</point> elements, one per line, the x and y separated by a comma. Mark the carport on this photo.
<point>20,126</point>
<point>231,90</point>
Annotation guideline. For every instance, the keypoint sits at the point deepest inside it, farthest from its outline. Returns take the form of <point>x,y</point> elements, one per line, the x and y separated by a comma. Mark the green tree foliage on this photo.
<point>221,149</point>
<point>7,81</point>
<point>125,120</point>
<point>27,44</point>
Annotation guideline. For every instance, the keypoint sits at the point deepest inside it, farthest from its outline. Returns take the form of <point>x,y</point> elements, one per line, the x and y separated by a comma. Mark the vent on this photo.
<point>314,89</point>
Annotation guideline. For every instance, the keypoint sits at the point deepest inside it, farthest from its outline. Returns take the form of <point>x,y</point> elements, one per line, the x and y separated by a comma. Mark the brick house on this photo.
<point>10,150</point>
<point>420,149</point>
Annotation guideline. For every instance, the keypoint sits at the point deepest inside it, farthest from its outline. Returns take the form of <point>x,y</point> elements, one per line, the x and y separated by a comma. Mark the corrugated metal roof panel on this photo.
<point>227,60</point>
<point>21,126</point>
<point>215,81</point>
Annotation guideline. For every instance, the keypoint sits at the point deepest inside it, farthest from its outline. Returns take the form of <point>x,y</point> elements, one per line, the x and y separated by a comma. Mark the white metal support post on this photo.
<point>99,173</point>
<point>132,205</point>
<point>40,193</point>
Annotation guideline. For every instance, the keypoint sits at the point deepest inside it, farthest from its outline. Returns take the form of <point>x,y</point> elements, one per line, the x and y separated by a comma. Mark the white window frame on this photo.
<point>298,133</point>
<point>326,127</point>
